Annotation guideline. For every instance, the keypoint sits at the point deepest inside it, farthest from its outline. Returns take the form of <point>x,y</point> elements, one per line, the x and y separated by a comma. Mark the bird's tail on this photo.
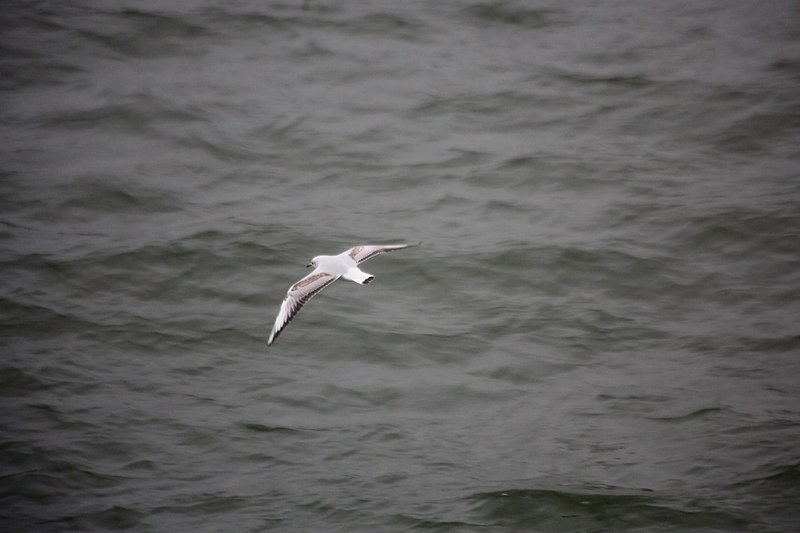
<point>358,276</point>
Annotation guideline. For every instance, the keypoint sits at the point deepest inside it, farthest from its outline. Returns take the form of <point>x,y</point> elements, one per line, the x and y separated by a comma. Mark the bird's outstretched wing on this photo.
<point>364,251</point>
<point>297,296</point>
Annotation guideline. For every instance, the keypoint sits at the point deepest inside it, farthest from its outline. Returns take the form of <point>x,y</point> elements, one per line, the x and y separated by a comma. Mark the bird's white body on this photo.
<point>341,265</point>
<point>327,269</point>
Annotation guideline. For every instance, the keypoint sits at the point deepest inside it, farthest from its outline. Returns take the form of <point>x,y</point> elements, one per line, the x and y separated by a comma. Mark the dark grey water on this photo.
<point>599,332</point>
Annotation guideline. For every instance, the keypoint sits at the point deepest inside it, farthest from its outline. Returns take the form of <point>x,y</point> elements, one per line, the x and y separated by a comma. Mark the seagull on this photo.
<point>327,269</point>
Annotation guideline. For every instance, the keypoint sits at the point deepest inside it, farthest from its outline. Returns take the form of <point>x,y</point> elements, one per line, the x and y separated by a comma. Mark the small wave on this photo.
<point>263,428</point>
<point>545,509</point>
<point>503,13</point>
<point>701,414</point>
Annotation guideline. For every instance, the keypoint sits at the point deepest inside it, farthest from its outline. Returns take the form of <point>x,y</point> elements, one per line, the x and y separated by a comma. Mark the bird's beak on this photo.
<point>309,265</point>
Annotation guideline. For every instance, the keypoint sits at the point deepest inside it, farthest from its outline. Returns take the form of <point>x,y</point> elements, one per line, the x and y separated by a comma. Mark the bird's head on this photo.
<point>314,262</point>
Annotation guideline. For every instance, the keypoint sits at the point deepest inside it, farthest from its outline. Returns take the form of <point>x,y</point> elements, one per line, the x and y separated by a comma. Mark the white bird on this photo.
<point>327,269</point>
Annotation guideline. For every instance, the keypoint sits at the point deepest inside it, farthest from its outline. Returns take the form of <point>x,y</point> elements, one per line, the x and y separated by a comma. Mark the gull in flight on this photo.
<point>327,269</point>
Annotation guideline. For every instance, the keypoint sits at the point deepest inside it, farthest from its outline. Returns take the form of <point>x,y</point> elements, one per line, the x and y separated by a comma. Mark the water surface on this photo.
<point>598,333</point>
